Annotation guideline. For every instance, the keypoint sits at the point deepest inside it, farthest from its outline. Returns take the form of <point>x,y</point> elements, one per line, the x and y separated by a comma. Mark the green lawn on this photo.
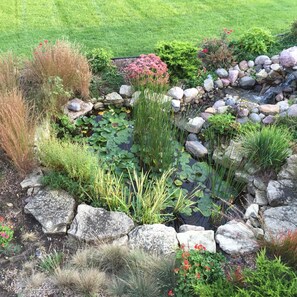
<point>131,27</point>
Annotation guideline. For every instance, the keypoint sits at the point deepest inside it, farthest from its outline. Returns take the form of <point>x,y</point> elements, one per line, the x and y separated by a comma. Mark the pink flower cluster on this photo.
<point>147,70</point>
<point>4,235</point>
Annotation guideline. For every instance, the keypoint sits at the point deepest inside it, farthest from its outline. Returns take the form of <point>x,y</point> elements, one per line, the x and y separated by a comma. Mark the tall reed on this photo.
<point>17,130</point>
<point>9,74</point>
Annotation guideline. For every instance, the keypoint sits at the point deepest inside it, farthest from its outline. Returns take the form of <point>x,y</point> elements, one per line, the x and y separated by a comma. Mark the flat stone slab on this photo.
<point>236,238</point>
<point>279,220</point>
<point>54,210</point>
<point>191,238</point>
<point>91,224</point>
<point>156,238</point>
<point>85,107</point>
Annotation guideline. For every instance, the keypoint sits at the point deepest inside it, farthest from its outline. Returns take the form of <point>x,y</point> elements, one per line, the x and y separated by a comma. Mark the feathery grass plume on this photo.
<point>17,130</point>
<point>9,74</point>
<point>60,60</point>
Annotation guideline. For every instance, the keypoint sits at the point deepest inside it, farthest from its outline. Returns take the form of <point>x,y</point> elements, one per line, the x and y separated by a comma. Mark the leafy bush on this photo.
<point>9,74</point>
<point>271,278</point>
<point>147,71</point>
<point>17,130</point>
<point>294,29</point>
<point>267,148</point>
<point>100,59</point>
<point>217,53</point>
<point>285,247</point>
<point>60,59</point>
<point>255,41</point>
<point>194,267</point>
<point>153,131</point>
<point>290,123</point>
<point>181,59</point>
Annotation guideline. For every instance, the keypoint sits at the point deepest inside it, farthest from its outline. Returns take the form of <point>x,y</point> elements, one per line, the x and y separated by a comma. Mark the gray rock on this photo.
<point>243,65</point>
<point>175,105</point>
<point>219,84</point>
<point>243,112</point>
<point>262,59</point>
<point>275,67</point>
<point>222,73</point>
<point>219,103</point>
<point>269,109</point>
<point>192,137</point>
<point>259,184</point>
<point>156,238</point>
<point>247,82</point>
<point>279,220</point>
<point>281,192</point>
<point>190,94</point>
<point>252,210</point>
<point>261,198</point>
<point>99,106</point>
<point>262,74</point>
<point>251,64</point>
<point>195,125</point>
<point>186,227</point>
<point>33,180</point>
<point>230,101</point>
<point>289,170</point>
<point>243,120</point>
<point>85,108</point>
<point>236,238</point>
<point>113,98</point>
<point>208,84</point>
<point>233,76</point>
<point>54,210</point>
<point>205,115</point>
<point>73,106</point>
<point>255,118</point>
<point>226,82</point>
<point>222,109</point>
<point>279,97</point>
<point>275,59</point>
<point>97,224</point>
<point>283,106</point>
<point>196,149</point>
<point>269,120</point>
<point>288,57</point>
<point>126,91</point>
<point>292,111</point>
<point>176,93</point>
<point>190,238</point>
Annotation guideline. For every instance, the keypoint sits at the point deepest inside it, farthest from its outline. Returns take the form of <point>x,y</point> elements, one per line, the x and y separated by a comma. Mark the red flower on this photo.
<point>46,41</point>
<point>205,50</point>
<point>170,293</point>
<point>199,247</point>
<point>198,275</point>
<point>207,268</point>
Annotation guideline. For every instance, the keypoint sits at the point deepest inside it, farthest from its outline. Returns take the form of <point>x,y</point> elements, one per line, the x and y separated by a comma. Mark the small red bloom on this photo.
<point>170,293</point>
<point>207,268</point>
<point>198,275</point>
<point>205,50</point>
<point>46,41</point>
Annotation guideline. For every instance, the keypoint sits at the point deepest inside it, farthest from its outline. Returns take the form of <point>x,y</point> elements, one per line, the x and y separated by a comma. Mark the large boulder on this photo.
<point>91,224</point>
<point>236,238</point>
<point>113,99</point>
<point>176,93</point>
<point>190,238</point>
<point>282,192</point>
<point>196,149</point>
<point>126,91</point>
<point>190,94</point>
<point>156,238</point>
<point>279,220</point>
<point>54,210</point>
<point>288,57</point>
<point>194,125</point>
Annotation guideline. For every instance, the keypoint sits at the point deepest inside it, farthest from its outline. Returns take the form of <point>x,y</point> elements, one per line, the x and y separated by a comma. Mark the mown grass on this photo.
<point>131,27</point>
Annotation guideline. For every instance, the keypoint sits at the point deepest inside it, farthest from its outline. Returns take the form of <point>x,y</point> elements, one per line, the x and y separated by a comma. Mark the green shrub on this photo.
<point>289,123</point>
<point>153,131</point>
<point>100,59</point>
<point>267,148</point>
<point>181,59</point>
<point>294,29</point>
<point>6,234</point>
<point>255,41</point>
<point>271,278</point>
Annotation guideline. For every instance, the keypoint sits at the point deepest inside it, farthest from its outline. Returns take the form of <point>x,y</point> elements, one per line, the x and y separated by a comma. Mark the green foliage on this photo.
<point>6,235</point>
<point>294,29</point>
<point>181,59</point>
<point>49,263</point>
<point>153,202</point>
<point>100,59</point>
<point>271,278</point>
<point>153,131</point>
<point>194,267</point>
<point>267,148</point>
<point>255,41</point>
<point>290,123</point>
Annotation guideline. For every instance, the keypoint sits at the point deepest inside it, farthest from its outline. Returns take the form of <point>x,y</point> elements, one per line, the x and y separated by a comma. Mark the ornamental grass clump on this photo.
<point>17,130</point>
<point>59,59</point>
<point>148,71</point>
<point>9,73</point>
<point>267,148</point>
